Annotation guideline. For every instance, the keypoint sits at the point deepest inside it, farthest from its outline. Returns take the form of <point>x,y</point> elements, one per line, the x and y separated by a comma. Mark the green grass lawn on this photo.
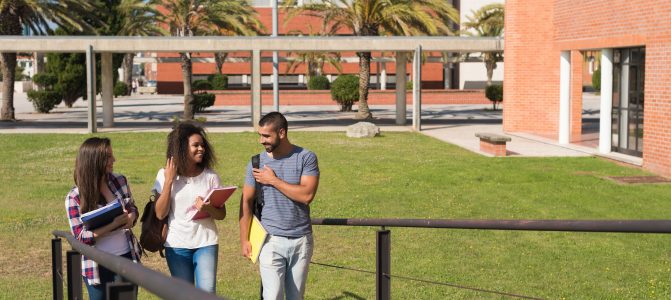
<point>398,175</point>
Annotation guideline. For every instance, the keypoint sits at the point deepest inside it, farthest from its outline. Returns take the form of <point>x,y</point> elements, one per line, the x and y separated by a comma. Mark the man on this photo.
<point>288,177</point>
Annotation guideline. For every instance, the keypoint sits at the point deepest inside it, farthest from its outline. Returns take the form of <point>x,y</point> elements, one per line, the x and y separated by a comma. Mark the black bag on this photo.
<point>257,207</point>
<point>154,231</point>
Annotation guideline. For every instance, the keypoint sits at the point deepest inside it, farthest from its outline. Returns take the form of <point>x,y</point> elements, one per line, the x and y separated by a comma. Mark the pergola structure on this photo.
<point>106,46</point>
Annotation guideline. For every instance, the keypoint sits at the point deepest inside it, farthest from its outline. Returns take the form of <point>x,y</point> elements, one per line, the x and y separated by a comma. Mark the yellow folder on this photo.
<point>257,236</point>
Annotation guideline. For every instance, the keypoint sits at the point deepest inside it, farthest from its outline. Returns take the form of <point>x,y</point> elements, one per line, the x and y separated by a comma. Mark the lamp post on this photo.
<point>276,87</point>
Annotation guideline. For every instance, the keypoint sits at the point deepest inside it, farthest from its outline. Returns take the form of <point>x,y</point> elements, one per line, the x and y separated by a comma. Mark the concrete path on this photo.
<point>456,124</point>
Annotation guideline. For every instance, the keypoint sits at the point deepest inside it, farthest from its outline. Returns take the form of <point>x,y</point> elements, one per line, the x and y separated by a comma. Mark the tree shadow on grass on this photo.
<point>347,295</point>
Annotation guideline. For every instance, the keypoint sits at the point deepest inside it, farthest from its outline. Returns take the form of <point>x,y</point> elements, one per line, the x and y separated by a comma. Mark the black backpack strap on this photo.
<point>257,206</point>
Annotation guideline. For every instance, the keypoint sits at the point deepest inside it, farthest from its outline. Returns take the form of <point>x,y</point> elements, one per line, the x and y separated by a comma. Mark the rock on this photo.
<point>363,129</point>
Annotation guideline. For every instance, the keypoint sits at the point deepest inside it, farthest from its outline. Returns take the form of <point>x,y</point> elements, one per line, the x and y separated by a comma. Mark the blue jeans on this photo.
<point>197,266</point>
<point>99,291</point>
<point>284,263</point>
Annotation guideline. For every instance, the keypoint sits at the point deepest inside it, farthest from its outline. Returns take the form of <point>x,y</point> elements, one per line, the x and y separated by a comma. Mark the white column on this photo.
<point>400,87</point>
<point>301,79</point>
<point>91,88</point>
<point>417,89</point>
<point>107,82</point>
<point>276,81</point>
<point>564,96</point>
<point>605,134</point>
<point>256,88</point>
<point>383,76</point>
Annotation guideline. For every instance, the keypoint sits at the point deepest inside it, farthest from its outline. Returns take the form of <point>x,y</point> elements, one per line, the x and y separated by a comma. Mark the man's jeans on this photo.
<point>197,266</point>
<point>284,266</point>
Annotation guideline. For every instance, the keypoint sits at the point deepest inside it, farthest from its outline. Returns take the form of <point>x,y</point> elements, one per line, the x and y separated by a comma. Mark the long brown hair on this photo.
<point>178,147</point>
<point>90,169</point>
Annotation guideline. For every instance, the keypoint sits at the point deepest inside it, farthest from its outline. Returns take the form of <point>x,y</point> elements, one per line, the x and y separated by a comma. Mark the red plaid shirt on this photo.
<point>118,185</point>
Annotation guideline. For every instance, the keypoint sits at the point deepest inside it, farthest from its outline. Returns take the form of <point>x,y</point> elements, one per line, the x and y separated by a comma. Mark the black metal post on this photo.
<point>383,278</point>
<point>121,291</point>
<point>57,268</point>
<point>74,265</point>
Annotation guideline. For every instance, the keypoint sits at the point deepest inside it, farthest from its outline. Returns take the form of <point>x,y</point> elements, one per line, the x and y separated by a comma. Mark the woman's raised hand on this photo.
<point>170,169</point>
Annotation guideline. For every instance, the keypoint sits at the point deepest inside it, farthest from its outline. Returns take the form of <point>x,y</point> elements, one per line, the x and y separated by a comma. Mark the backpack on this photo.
<point>154,231</point>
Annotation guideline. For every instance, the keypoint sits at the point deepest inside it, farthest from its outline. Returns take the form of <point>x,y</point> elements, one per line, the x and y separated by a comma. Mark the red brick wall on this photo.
<point>582,25</point>
<point>374,97</point>
<point>576,96</point>
<point>531,79</point>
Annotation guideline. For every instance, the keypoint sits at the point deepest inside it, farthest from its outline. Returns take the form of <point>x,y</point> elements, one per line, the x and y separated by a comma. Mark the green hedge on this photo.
<point>318,82</point>
<point>345,91</point>
<point>46,98</point>
<point>494,93</point>
<point>202,101</point>
<point>218,82</point>
<point>120,89</point>
<point>596,80</point>
<point>201,85</point>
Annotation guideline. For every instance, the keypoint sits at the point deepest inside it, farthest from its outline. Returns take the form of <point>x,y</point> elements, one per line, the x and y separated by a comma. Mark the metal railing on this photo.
<point>156,282</point>
<point>383,245</point>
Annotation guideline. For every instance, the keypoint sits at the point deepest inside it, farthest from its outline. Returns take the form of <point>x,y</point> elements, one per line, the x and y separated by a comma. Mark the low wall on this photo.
<point>376,97</point>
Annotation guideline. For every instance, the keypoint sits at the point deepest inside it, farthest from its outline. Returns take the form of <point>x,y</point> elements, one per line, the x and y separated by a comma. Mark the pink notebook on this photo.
<point>217,197</point>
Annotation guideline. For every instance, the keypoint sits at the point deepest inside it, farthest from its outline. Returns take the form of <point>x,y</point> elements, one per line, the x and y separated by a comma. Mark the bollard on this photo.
<point>74,265</point>
<point>383,263</point>
<point>57,268</point>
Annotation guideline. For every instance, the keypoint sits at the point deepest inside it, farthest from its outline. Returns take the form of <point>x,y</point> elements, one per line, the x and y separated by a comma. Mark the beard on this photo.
<point>271,147</point>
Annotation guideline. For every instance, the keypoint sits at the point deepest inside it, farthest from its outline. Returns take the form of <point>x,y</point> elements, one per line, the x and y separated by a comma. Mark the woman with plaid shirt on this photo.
<point>96,186</point>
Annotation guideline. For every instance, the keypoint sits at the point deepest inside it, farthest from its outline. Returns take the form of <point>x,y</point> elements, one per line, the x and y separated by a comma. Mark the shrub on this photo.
<point>218,82</point>
<point>318,82</point>
<point>345,91</point>
<point>120,89</point>
<point>494,93</point>
<point>408,85</point>
<point>596,80</point>
<point>202,101</point>
<point>201,85</point>
<point>45,99</point>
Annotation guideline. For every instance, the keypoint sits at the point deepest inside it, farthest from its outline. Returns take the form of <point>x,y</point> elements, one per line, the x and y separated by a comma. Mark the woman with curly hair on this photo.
<point>191,246</point>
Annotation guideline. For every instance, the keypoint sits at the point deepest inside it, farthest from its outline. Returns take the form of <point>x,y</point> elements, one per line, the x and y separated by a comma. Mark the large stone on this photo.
<point>363,129</point>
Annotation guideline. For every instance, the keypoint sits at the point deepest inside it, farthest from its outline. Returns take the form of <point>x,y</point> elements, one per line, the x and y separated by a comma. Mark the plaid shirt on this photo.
<point>118,185</point>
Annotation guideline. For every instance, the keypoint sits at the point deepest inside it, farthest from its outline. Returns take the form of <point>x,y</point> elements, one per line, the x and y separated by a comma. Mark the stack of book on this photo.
<point>103,215</point>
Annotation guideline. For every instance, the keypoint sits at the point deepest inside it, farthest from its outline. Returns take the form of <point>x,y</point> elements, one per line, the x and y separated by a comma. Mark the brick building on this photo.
<point>546,44</point>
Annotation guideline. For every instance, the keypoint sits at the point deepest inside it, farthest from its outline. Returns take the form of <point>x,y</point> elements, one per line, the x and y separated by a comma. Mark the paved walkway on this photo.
<point>456,124</point>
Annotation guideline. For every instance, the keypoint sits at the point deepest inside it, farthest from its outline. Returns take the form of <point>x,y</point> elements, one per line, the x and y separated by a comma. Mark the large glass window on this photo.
<point>628,100</point>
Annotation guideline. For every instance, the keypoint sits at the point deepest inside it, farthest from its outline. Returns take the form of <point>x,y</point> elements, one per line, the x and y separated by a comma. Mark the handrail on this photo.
<point>628,226</point>
<point>156,282</point>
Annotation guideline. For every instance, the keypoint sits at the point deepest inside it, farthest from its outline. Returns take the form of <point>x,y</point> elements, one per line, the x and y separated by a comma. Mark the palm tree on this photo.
<point>378,17</point>
<point>36,15</point>
<point>488,21</point>
<point>314,60</point>
<point>186,18</point>
<point>137,18</point>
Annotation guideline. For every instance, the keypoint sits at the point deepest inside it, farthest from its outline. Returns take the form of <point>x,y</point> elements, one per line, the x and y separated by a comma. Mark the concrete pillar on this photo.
<point>107,82</point>
<point>400,87</point>
<point>417,89</point>
<point>564,96</point>
<point>245,79</point>
<point>256,88</point>
<point>301,79</point>
<point>383,76</point>
<point>91,89</point>
<point>605,134</point>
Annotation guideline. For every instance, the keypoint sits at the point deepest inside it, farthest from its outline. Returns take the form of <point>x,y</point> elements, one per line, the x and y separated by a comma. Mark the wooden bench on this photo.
<point>493,143</point>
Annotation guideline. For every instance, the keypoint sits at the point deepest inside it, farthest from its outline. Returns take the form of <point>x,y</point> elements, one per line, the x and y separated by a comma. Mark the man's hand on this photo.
<point>246,249</point>
<point>265,175</point>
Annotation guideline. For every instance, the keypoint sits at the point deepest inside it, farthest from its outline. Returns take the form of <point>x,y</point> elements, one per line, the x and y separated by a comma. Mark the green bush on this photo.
<point>318,82</point>
<point>120,88</point>
<point>218,81</point>
<point>202,101</point>
<point>200,86</point>
<point>345,91</point>
<point>596,80</point>
<point>46,98</point>
<point>408,85</point>
<point>494,93</point>
<point>44,101</point>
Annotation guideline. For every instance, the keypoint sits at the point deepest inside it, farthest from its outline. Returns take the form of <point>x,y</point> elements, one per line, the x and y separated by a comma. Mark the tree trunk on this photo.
<point>364,78</point>
<point>219,59</point>
<point>490,65</point>
<point>128,71</point>
<point>188,92</point>
<point>8,70</point>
